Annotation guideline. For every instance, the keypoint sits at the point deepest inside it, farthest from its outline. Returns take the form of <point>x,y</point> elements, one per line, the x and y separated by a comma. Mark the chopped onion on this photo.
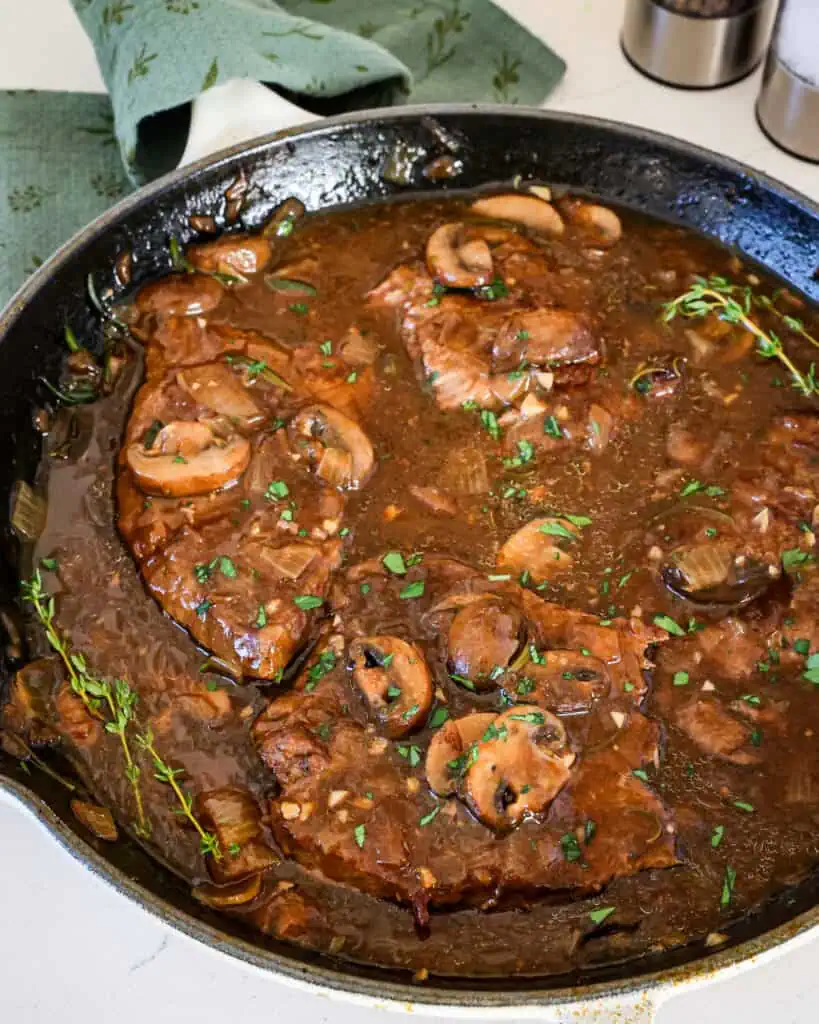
<point>291,560</point>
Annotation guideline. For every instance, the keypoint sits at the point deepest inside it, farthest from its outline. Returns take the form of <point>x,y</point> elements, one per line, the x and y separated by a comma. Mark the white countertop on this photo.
<point>73,950</point>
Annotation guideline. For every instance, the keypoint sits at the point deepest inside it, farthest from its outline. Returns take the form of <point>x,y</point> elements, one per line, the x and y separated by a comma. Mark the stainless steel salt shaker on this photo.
<point>697,44</point>
<point>788,105</point>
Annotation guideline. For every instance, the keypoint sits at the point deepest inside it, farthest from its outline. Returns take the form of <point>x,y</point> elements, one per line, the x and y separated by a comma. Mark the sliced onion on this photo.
<point>96,819</point>
<point>336,467</point>
<point>465,472</point>
<point>357,349</point>
<point>29,510</point>
<point>704,565</point>
<point>233,895</point>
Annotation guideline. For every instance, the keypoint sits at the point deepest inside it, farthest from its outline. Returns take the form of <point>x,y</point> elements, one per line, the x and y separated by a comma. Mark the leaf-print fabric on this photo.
<point>66,157</point>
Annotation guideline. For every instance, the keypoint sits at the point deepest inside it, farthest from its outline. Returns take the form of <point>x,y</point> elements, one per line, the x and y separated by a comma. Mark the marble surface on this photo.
<point>72,949</point>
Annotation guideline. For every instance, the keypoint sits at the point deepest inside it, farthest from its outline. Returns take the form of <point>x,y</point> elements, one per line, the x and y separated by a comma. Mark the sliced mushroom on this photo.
<point>519,768</point>
<point>565,683</point>
<point>188,459</point>
<point>541,548</point>
<point>244,254</point>
<point>447,755</point>
<point>393,676</point>
<point>483,638</point>
<point>529,210</point>
<point>602,224</point>
<point>716,731</point>
<point>180,295</point>
<point>457,261</point>
<point>334,444</point>
<point>709,575</point>
<point>218,388</point>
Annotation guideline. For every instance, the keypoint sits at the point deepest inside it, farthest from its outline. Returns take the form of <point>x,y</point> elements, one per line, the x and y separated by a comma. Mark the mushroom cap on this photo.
<point>449,744</point>
<point>319,430</point>
<point>602,224</point>
<point>519,769</point>
<point>394,678</point>
<point>530,211</point>
<point>484,637</point>
<point>456,260</point>
<point>187,459</point>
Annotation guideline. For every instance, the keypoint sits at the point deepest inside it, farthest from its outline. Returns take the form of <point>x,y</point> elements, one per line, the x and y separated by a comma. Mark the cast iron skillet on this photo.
<point>338,162</point>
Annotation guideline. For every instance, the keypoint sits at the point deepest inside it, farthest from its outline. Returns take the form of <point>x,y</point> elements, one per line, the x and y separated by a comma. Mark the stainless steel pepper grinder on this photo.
<point>788,106</point>
<point>697,44</point>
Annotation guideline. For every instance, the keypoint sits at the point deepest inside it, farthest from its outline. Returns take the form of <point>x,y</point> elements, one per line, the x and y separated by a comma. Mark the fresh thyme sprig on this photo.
<point>97,694</point>
<point>208,843</point>
<point>733,303</point>
<point>791,322</point>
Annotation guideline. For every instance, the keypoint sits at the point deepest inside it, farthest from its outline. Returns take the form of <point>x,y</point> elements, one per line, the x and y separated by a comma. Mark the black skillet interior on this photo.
<point>340,162</point>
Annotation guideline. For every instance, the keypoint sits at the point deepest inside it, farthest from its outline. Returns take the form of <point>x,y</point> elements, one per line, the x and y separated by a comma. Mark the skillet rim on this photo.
<point>343,982</point>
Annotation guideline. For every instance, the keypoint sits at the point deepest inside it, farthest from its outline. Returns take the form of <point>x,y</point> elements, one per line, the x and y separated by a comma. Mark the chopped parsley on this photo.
<point>394,562</point>
<point>151,433</point>
<point>360,835</point>
<point>326,663</point>
<point>490,424</point>
<point>307,602</point>
<point>427,818</point>
<point>640,773</point>
<point>599,916</point>
<point>793,559</point>
<point>438,717</point>
<point>743,805</point>
<point>203,607</point>
<point>415,589</point>
<point>553,529</point>
<point>261,617</point>
<point>728,883</point>
<point>530,717</point>
<point>495,290</point>
<point>681,679</point>
<point>572,850</point>
<point>277,490</point>
<point>552,428</point>
<point>526,453</point>
<point>299,307</point>
<point>410,753</point>
<point>669,625</point>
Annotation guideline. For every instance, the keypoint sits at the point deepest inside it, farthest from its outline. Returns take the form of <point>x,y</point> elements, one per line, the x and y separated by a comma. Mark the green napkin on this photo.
<point>65,157</point>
